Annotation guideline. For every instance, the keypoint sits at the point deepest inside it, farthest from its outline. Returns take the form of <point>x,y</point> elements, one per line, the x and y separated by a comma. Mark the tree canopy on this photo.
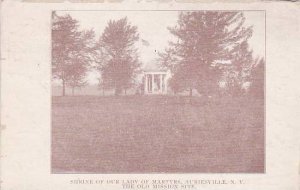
<point>72,51</point>
<point>205,40</point>
<point>120,61</point>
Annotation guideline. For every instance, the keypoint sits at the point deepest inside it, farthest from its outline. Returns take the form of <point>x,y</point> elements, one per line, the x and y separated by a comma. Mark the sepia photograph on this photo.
<point>168,91</point>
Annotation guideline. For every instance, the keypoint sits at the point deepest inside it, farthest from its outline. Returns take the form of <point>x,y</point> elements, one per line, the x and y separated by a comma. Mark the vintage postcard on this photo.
<point>149,95</point>
<point>131,94</point>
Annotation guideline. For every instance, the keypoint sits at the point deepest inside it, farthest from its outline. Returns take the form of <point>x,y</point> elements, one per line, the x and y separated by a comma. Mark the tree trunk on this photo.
<point>72,91</point>
<point>117,91</point>
<point>191,91</point>
<point>64,88</point>
<point>191,94</point>
<point>125,91</point>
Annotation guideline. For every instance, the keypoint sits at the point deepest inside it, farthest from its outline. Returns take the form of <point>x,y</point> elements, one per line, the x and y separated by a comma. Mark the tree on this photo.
<point>120,64</point>
<point>204,39</point>
<point>72,51</point>
<point>257,79</point>
<point>77,80</point>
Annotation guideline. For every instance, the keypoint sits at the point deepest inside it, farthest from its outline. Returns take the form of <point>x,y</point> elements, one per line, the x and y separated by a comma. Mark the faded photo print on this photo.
<point>158,92</point>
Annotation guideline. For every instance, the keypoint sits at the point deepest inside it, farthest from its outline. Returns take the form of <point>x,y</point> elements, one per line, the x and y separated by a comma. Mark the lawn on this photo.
<point>157,134</point>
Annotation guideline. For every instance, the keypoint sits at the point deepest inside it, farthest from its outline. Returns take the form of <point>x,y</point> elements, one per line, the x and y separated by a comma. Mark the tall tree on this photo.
<point>120,63</point>
<point>204,40</point>
<point>72,51</point>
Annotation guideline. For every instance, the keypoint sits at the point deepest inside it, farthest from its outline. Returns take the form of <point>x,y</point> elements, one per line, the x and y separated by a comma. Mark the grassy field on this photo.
<point>153,134</point>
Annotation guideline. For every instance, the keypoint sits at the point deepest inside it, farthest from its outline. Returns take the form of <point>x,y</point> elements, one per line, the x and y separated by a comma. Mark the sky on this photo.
<point>152,27</point>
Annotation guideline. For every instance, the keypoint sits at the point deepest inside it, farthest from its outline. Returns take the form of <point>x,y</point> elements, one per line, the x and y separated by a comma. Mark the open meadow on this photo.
<point>157,134</point>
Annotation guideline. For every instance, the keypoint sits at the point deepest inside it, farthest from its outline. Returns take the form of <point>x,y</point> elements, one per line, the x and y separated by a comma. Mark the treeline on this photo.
<point>211,55</point>
<point>113,55</point>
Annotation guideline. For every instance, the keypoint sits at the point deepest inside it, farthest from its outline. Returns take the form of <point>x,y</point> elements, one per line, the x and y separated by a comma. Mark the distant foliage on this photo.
<point>238,72</point>
<point>204,40</point>
<point>257,79</point>
<point>72,51</point>
<point>120,63</point>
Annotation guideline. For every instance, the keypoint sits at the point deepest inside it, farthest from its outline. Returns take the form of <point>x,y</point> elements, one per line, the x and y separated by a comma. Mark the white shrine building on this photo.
<point>155,81</point>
